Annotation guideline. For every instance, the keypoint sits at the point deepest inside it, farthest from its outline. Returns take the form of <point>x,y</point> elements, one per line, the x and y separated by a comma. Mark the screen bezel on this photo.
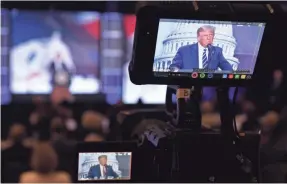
<point>106,147</point>
<point>147,29</point>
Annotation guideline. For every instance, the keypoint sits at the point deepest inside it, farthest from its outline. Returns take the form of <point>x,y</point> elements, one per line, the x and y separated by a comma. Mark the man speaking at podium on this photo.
<point>201,55</point>
<point>102,170</point>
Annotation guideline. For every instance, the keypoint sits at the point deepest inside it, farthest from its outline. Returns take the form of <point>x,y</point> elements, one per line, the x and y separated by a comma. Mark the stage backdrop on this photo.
<point>40,38</point>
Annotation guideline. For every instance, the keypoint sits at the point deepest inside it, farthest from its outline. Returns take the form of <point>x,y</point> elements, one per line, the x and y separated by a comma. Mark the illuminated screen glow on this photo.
<point>104,166</point>
<point>45,42</point>
<point>207,49</point>
<point>148,94</point>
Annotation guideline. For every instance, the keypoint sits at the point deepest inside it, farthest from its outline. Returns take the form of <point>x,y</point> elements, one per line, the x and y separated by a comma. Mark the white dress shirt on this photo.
<point>58,66</point>
<point>102,171</point>
<point>200,55</point>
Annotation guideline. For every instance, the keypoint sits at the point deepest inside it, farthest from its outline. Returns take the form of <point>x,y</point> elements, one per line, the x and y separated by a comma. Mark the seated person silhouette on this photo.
<point>102,170</point>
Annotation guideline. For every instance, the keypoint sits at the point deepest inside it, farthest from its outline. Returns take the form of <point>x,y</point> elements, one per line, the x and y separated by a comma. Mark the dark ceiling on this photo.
<point>130,6</point>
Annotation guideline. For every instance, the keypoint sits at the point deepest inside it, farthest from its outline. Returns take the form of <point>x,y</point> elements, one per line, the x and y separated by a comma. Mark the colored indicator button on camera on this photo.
<point>210,75</point>
<point>248,77</point>
<point>202,75</point>
<point>194,75</point>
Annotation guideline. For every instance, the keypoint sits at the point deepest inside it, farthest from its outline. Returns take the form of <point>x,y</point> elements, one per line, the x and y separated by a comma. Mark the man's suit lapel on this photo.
<point>98,170</point>
<point>109,170</point>
<point>210,54</point>
<point>194,56</point>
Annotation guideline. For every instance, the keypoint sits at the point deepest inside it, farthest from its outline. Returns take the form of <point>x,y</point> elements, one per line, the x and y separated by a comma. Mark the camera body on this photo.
<point>207,158</point>
<point>191,49</point>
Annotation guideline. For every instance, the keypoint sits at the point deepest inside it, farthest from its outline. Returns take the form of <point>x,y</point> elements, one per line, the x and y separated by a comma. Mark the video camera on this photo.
<point>187,50</point>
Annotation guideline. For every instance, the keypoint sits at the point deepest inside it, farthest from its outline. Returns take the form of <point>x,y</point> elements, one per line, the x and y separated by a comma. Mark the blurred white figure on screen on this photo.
<point>28,72</point>
<point>60,62</point>
<point>33,61</point>
<point>59,54</point>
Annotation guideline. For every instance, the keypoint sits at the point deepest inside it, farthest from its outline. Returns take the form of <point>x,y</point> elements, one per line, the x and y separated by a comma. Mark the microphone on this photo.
<point>210,49</point>
<point>173,69</point>
<point>209,46</point>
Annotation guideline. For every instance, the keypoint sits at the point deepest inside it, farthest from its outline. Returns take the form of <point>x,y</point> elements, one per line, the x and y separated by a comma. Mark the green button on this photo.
<point>202,75</point>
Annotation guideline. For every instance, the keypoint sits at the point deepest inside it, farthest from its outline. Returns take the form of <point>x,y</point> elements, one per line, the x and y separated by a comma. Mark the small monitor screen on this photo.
<point>104,166</point>
<point>203,49</point>
<point>54,47</point>
<point>148,94</point>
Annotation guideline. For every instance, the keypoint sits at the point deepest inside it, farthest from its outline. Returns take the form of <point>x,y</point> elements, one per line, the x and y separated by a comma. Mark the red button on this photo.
<point>194,75</point>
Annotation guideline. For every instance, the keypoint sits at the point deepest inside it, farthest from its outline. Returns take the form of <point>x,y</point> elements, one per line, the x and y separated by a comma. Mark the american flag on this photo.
<point>130,25</point>
<point>91,22</point>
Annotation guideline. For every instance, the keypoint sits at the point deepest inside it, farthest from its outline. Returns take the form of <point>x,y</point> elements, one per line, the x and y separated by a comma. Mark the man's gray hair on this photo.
<point>103,156</point>
<point>205,27</point>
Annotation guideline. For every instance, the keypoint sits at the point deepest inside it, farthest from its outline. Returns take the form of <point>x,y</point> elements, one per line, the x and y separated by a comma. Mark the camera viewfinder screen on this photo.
<point>104,166</point>
<point>203,49</point>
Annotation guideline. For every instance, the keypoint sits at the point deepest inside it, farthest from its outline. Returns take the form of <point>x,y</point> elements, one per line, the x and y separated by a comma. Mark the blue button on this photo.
<point>224,76</point>
<point>210,75</point>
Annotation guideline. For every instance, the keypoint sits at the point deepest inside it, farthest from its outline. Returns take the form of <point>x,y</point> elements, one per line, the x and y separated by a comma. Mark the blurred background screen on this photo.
<point>5,92</point>
<point>148,94</point>
<point>43,41</point>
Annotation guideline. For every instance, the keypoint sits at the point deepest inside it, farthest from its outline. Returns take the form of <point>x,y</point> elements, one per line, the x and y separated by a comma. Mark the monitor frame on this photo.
<point>141,67</point>
<point>91,147</point>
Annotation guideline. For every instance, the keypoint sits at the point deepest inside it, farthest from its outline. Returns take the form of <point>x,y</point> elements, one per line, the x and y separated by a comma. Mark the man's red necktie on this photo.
<point>104,171</point>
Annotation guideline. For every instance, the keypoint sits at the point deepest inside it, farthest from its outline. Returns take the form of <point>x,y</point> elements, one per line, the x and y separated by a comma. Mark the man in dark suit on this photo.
<point>61,72</point>
<point>102,170</point>
<point>201,55</point>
